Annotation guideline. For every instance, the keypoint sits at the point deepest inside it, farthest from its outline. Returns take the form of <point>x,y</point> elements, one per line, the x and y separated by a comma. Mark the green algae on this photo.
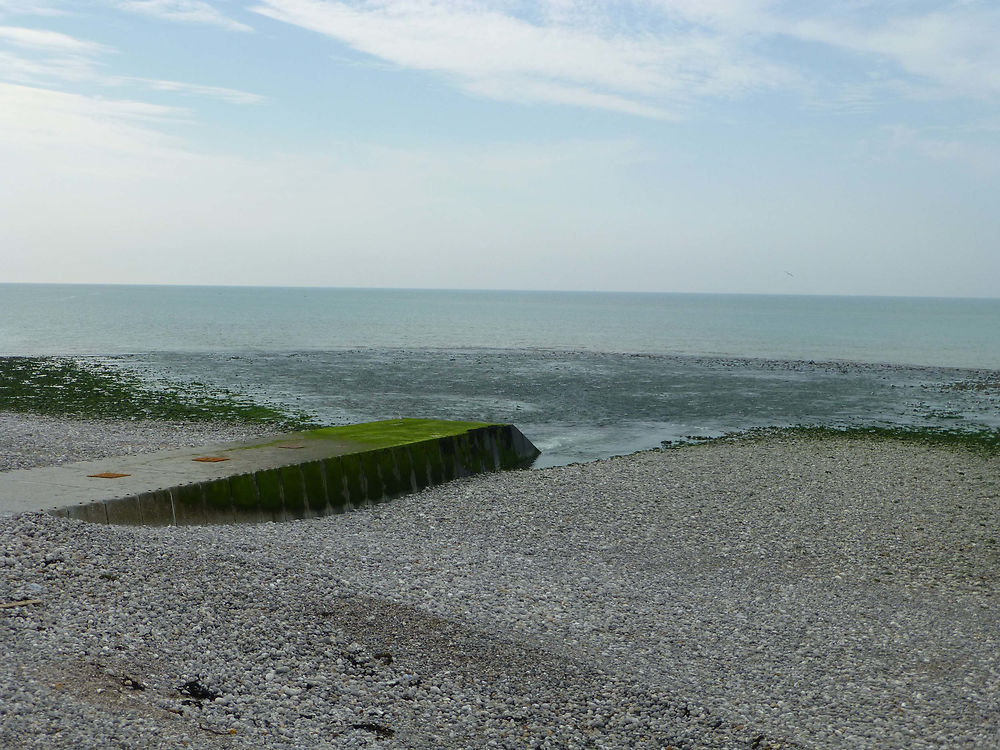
<point>293,492</point>
<point>246,501</point>
<point>353,480</point>
<point>269,492</point>
<point>189,504</point>
<point>219,499</point>
<point>89,389</point>
<point>392,432</point>
<point>336,495</point>
<point>315,488</point>
<point>984,441</point>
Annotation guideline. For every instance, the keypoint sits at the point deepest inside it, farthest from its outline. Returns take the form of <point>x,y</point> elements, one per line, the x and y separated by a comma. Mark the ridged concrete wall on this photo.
<point>320,487</point>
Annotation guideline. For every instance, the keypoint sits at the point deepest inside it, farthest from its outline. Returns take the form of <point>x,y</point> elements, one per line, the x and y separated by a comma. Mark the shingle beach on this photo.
<point>758,592</point>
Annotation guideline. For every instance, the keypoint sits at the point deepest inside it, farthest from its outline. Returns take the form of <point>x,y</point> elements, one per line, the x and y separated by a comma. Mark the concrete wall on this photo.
<point>319,487</point>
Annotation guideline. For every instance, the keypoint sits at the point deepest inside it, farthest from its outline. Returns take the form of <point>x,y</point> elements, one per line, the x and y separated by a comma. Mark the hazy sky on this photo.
<point>848,147</point>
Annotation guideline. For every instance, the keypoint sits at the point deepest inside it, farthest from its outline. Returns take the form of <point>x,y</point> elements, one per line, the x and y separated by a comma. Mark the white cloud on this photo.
<point>568,56</point>
<point>524,89</point>
<point>31,55</point>
<point>28,7</point>
<point>48,41</point>
<point>15,67</point>
<point>48,56</point>
<point>954,49</point>
<point>233,96</point>
<point>655,58</point>
<point>37,117</point>
<point>188,11</point>
<point>48,138</point>
<point>737,17</point>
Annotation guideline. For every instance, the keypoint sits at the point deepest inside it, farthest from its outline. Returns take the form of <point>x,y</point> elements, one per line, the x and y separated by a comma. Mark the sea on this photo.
<point>585,375</point>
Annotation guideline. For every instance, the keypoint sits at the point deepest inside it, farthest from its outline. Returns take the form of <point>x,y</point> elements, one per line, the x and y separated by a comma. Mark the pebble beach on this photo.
<point>768,591</point>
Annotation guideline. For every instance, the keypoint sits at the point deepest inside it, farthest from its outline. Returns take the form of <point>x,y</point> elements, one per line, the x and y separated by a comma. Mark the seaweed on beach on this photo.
<point>88,389</point>
<point>981,440</point>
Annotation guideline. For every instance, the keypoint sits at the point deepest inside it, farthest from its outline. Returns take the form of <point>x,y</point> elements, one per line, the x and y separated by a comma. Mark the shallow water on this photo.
<point>585,375</point>
<point>580,406</point>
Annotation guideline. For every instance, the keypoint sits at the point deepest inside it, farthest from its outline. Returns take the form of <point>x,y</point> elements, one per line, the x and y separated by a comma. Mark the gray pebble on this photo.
<point>754,593</point>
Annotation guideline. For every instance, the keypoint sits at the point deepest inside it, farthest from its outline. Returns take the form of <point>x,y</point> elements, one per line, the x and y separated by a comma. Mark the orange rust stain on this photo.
<point>210,459</point>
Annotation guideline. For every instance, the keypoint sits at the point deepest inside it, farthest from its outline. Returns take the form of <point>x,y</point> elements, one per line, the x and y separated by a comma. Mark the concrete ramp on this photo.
<point>298,475</point>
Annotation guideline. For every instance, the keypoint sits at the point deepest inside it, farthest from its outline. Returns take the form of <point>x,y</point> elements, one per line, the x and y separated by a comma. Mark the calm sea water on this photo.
<point>585,375</point>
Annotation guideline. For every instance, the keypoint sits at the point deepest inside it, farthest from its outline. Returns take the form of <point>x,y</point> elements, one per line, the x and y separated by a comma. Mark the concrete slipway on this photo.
<point>298,475</point>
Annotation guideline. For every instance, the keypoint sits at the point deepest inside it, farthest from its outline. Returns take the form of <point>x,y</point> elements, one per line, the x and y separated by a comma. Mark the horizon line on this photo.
<point>498,290</point>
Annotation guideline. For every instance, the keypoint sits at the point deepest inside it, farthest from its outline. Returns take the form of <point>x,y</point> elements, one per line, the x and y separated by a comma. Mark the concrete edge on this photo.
<point>318,487</point>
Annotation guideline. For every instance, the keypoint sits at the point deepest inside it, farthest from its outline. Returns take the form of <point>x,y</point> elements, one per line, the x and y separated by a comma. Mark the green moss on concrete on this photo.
<point>219,501</point>
<point>404,469</point>
<point>269,490</point>
<point>454,448</point>
<point>246,503</point>
<point>471,453</point>
<point>514,453</point>
<point>478,452</point>
<point>393,432</point>
<point>189,504</point>
<point>335,484</point>
<point>335,494</point>
<point>315,488</point>
<point>449,459</point>
<point>460,454</point>
<point>421,464</point>
<point>354,482</point>
<point>491,455</point>
<point>388,472</point>
<point>293,492</point>
<point>374,488</point>
<point>435,460</point>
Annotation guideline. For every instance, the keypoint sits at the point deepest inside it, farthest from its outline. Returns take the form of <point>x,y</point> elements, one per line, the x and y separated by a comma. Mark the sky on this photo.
<point>748,146</point>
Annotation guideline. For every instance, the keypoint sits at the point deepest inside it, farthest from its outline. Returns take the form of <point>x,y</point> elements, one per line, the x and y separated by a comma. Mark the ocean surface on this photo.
<point>584,375</point>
